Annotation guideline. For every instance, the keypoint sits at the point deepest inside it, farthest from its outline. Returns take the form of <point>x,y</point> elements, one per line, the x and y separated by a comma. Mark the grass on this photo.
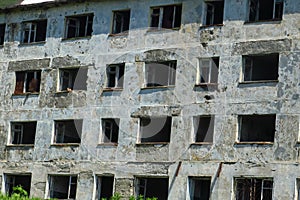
<point>8,3</point>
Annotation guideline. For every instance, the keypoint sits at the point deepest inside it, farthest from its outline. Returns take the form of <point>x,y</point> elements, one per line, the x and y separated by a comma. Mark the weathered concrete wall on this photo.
<point>182,102</point>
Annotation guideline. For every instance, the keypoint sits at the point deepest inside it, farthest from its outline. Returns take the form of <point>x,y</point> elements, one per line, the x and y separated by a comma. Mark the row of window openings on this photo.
<point>164,17</point>
<point>252,128</point>
<point>255,68</point>
<point>199,188</point>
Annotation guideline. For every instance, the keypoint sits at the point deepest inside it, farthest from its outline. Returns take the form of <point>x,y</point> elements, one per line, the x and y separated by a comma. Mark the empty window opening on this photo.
<point>260,67</point>
<point>34,31</point>
<point>204,128</point>
<point>152,187</point>
<point>27,82</point>
<point>79,26</point>
<point>257,128</point>
<point>2,33</point>
<point>160,73</point>
<point>72,79</point>
<point>121,21</point>
<point>23,132</point>
<point>199,188</point>
<point>104,187</point>
<point>260,10</point>
<point>155,129</point>
<point>214,12</point>
<point>12,181</point>
<point>253,188</point>
<point>166,17</point>
<point>208,71</point>
<point>110,130</point>
<point>68,131</point>
<point>115,75</point>
<point>62,187</point>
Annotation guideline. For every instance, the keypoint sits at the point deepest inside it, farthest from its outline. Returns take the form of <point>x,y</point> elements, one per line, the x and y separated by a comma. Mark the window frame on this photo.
<point>210,3</point>
<point>71,176</point>
<point>2,33</point>
<point>152,73</point>
<point>196,122</point>
<point>257,11</point>
<point>213,62</point>
<point>137,184</point>
<point>121,13</point>
<point>113,122</point>
<point>7,185</point>
<point>32,28</point>
<point>59,137</point>
<point>36,75</point>
<point>99,183</point>
<point>118,76</point>
<point>89,21</point>
<point>191,185</point>
<point>248,66</point>
<point>13,131</point>
<point>263,179</point>
<point>160,16</point>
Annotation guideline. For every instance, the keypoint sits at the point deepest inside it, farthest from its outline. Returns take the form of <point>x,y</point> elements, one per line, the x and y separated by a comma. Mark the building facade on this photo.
<point>185,99</point>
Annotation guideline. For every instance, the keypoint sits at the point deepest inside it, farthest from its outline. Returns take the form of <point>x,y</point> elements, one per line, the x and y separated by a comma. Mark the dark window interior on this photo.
<point>34,31</point>
<point>214,12</point>
<point>155,129</point>
<point>2,33</point>
<point>261,67</point>
<point>23,132</point>
<point>115,75</point>
<point>63,187</point>
<point>68,131</point>
<point>200,188</point>
<point>32,82</point>
<point>253,189</point>
<point>73,79</point>
<point>257,128</point>
<point>160,73</point>
<point>265,10</point>
<point>154,187</point>
<point>79,26</point>
<point>16,180</point>
<point>204,128</point>
<point>111,130</point>
<point>105,184</point>
<point>209,70</point>
<point>121,21</point>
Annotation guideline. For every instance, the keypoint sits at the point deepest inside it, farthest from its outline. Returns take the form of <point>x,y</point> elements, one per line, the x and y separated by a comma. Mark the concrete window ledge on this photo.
<point>65,144</point>
<point>76,38</point>
<point>107,145</point>
<point>26,94</point>
<point>253,143</point>
<point>19,146</point>
<point>32,44</point>
<point>152,144</point>
<point>201,144</point>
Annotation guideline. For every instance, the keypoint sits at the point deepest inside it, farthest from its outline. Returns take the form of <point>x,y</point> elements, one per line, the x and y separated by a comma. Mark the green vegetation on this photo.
<point>18,194</point>
<point>8,3</point>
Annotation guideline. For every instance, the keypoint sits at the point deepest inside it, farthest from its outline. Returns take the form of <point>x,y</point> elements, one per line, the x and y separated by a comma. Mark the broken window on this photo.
<point>110,130</point>
<point>166,17</point>
<point>27,82</point>
<point>12,180</point>
<point>160,73</point>
<point>2,33</point>
<point>104,187</point>
<point>204,128</point>
<point>199,188</point>
<point>73,79</point>
<point>260,10</point>
<point>208,71</point>
<point>79,26</point>
<point>62,187</point>
<point>34,31</point>
<point>115,75</point>
<point>68,131</point>
<point>155,129</point>
<point>260,67</point>
<point>23,132</point>
<point>257,128</point>
<point>152,187</point>
<point>214,12</point>
<point>121,21</point>
<point>253,188</point>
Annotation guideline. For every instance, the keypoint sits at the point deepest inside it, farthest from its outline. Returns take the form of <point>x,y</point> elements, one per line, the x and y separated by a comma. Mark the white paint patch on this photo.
<point>25,2</point>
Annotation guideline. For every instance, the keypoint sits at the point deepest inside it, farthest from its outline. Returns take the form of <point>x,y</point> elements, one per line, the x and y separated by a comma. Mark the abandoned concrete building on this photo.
<point>175,99</point>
